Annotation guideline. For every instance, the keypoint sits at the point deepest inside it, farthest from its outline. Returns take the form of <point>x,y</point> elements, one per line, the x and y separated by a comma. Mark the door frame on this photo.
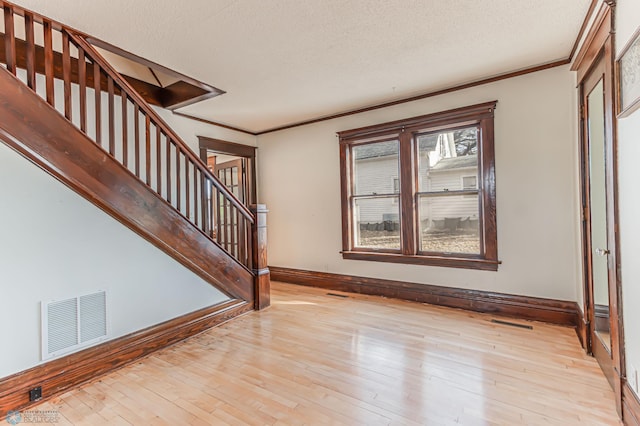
<point>248,152</point>
<point>599,45</point>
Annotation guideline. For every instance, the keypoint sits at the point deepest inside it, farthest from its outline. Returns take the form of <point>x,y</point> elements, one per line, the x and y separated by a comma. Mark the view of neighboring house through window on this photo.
<point>413,190</point>
<point>375,199</point>
<point>449,219</point>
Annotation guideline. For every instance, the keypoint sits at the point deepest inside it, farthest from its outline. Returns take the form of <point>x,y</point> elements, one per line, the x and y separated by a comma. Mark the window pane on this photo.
<point>449,224</point>
<point>377,223</point>
<point>469,182</point>
<point>445,158</point>
<point>375,166</point>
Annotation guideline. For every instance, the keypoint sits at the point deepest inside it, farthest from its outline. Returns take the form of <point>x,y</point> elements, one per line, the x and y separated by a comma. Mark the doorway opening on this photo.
<point>234,164</point>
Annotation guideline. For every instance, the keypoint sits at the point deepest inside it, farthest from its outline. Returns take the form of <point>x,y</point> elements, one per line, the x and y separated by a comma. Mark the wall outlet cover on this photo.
<point>35,394</point>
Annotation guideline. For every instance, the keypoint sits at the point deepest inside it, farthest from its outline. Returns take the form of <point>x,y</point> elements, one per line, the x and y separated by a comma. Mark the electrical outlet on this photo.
<point>35,394</point>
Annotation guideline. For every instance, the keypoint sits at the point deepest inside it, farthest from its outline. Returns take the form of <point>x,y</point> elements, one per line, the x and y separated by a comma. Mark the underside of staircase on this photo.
<point>107,143</point>
<point>37,131</point>
<point>68,111</point>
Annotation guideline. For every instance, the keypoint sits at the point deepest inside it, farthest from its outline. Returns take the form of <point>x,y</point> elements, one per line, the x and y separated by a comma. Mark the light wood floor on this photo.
<point>318,359</point>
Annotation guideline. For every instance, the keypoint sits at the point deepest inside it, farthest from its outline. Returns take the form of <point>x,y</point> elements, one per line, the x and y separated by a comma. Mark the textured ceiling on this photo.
<point>284,61</point>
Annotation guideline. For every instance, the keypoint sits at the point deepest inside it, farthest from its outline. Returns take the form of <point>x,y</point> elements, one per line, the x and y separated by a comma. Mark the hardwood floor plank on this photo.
<point>361,360</point>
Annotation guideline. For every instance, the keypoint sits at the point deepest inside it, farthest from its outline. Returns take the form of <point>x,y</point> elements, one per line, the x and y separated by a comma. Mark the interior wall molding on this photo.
<point>444,91</point>
<point>551,311</point>
<point>214,123</point>
<point>63,374</point>
<point>451,89</point>
<point>630,406</point>
<point>583,28</point>
<point>599,31</point>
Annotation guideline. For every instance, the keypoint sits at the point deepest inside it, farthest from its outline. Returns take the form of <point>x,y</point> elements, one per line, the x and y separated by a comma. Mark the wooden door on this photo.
<point>232,174</point>
<point>598,242</point>
<point>603,330</point>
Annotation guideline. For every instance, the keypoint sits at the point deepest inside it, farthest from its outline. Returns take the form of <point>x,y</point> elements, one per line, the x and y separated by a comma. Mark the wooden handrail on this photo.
<point>197,193</point>
<point>147,110</point>
<point>19,10</point>
<point>79,39</point>
<point>188,212</point>
<point>69,155</point>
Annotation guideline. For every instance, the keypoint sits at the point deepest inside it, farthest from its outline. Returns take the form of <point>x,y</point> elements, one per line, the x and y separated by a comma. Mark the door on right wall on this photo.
<point>599,243</point>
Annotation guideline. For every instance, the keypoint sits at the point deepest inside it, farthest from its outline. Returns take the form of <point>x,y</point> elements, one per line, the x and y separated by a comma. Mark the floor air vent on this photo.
<point>73,323</point>
<point>512,324</point>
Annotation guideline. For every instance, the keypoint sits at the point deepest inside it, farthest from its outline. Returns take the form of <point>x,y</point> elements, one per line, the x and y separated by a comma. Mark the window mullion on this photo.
<point>407,195</point>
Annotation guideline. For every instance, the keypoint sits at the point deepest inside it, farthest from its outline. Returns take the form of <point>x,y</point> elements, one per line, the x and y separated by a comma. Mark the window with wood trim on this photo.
<point>422,190</point>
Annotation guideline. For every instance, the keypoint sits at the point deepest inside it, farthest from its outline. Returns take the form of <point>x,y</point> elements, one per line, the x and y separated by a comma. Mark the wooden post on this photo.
<point>262,293</point>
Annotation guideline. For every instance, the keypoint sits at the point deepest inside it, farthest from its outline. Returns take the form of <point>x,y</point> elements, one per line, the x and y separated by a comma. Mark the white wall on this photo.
<point>627,21</point>
<point>56,245</point>
<point>537,200</point>
<point>189,130</point>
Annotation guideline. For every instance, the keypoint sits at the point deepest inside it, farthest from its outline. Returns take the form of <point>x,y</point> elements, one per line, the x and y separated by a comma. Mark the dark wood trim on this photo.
<point>405,131</point>
<point>630,406</point>
<point>595,61</point>
<point>226,147</point>
<point>181,94</point>
<point>582,330</point>
<point>503,76</point>
<point>152,94</point>
<point>427,122</point>
<point>65,373</point>
<point>446,261</point>
<point>214,123</point>
<point>247,152</point>
<point>552,311</point>
<point>147,63</point>
<point>583,27</point>
<point>39,133</point>
<point>261,271</point>
<point>155,76</point>
<point>595,39</point>
<point>176,98</point>
<point>409,218</point>
<point>422,96</point>
<point>346,179</point>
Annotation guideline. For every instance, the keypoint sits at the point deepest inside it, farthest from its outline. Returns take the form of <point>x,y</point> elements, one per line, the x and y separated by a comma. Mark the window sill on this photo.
<point>446,261</point>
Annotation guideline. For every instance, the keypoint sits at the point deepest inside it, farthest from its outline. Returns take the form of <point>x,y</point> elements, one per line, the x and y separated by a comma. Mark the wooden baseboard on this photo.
<point>531,308</point>
<point>62,374</point>
<point>630,406</point>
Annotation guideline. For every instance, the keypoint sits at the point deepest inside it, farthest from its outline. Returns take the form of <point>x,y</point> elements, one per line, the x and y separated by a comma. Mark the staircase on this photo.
<point>66,109</point>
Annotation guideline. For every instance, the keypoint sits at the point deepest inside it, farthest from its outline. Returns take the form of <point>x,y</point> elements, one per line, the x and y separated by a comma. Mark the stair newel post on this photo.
<point>262,288</point>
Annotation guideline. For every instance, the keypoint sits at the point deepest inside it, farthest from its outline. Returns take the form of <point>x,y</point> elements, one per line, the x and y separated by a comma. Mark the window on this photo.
<point>396,185</point>
<point>469,182</point>
<point>422,190</point>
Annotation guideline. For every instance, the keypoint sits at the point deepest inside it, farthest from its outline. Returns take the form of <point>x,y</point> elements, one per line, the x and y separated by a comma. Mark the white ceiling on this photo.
<point>285,61</point>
